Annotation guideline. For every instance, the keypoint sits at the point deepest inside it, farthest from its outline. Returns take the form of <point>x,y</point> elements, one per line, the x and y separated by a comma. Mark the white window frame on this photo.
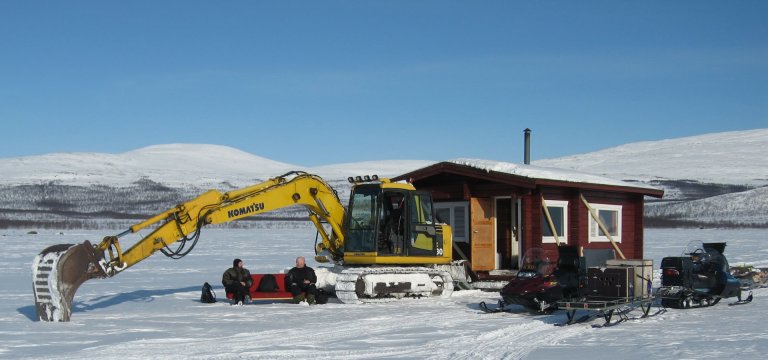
<point>451,206</point>
<point>564,236</point>
<point>594,229</point>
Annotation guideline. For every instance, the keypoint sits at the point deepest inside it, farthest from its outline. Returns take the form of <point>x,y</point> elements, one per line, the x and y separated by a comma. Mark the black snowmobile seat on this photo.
<point>568,259</point>
<point>568,269</point>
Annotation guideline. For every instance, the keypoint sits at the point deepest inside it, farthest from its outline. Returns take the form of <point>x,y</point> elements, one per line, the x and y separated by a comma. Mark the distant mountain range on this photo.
<point>709,180</point>
<point>737,157</point>
<point>175,165</point>
<point>95,190</point>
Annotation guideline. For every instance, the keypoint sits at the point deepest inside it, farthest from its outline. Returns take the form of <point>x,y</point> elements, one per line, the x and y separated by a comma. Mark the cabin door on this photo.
<point>482,237</point>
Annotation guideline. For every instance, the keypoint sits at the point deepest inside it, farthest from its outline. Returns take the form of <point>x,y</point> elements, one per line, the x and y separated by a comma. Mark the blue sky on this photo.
<point>326,82</point>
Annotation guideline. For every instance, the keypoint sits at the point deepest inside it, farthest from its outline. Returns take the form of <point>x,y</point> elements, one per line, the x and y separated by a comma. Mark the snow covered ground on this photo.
<point>153,311</point>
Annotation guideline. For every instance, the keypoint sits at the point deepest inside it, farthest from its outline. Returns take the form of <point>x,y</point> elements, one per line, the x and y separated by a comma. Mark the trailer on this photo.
<point>607,308</point>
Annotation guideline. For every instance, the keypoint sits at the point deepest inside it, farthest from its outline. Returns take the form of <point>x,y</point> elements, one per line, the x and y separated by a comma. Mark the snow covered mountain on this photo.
<point>739,209</point>
<point>709,180</point>
<point>66,190</point>
<point>738,158</point>
<point>174,165</point>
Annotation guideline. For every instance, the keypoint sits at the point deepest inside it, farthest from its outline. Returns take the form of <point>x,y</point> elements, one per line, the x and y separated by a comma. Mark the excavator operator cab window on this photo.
<point>362,220</point>
<point>424,239</point>
<point>392,223</point>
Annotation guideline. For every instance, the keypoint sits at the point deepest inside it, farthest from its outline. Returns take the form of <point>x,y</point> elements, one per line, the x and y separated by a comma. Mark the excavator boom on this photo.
<point>59,270</point>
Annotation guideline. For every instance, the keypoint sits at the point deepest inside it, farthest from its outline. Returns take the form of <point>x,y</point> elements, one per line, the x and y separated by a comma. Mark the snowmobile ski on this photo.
<point>742,302</point>
<point>499,307</point>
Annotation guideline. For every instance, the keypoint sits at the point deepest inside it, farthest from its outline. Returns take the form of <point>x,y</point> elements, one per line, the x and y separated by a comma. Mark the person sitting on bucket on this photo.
<point>301,279</point>
<point>237,280</point>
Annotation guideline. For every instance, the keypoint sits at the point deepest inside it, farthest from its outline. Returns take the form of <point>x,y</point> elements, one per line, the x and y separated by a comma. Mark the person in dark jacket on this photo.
<point>300,279</point>
<point>237,280</point>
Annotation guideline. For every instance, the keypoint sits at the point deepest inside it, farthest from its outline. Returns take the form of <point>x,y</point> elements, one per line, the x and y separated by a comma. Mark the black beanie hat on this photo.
<point>235,262</point>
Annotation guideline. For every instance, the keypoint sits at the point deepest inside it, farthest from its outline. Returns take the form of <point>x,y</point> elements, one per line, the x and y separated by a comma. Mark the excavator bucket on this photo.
<point>57,272</point>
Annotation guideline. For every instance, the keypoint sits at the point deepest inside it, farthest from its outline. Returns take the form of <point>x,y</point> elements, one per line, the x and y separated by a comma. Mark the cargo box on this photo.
<point>611,282</point>
<point>643,274</point>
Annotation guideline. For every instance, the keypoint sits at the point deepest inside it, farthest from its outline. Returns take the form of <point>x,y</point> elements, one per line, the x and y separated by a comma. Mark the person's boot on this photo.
<point>311,299</point>
<point>298,298</point>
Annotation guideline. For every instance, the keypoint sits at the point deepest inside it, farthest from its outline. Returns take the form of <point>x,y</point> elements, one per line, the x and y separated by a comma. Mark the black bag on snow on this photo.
<point>208,296</point>
<point>268,283</point>
<point>321,297</point>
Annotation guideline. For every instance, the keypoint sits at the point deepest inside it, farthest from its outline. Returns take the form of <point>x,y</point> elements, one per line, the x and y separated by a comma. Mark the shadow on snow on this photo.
<point>112,300</point>
<point>554,318</point>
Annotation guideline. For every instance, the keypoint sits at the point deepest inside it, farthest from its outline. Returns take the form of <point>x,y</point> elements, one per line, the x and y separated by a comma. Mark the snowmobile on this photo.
<point>699,277</point>
<point>539,284</point>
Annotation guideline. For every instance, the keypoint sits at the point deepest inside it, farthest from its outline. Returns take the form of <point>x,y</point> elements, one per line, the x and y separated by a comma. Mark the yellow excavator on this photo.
<point>385,245</point>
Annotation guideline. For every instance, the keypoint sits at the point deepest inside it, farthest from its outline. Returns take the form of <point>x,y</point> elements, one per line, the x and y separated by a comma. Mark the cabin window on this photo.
<point>558,210</point>
<point>610,215</point>
<point>455,214</point>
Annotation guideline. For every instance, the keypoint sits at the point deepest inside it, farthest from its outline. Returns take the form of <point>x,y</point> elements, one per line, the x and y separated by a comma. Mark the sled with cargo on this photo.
<point>595,283</point>
<point>615,292</point>
<point>613,311</point>
<point>618,287</point>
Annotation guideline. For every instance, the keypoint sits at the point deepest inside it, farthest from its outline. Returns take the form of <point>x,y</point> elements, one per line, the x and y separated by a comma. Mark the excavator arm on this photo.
<point>59,270</point>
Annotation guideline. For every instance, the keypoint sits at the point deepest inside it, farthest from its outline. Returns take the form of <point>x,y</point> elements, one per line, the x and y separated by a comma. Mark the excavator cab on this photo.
<point>392,223</point>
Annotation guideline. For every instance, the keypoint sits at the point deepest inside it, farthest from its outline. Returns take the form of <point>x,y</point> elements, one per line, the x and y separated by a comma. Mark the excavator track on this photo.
<point>383,284</point>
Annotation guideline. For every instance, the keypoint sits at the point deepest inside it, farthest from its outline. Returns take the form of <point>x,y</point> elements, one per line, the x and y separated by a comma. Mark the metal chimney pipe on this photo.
<point>527,159</point>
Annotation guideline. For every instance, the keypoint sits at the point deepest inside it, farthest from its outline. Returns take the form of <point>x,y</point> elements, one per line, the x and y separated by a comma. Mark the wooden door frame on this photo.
<point>516,231</point>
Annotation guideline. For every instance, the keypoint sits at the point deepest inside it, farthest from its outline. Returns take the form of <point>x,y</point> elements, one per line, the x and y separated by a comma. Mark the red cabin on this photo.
<point>496,209</point>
